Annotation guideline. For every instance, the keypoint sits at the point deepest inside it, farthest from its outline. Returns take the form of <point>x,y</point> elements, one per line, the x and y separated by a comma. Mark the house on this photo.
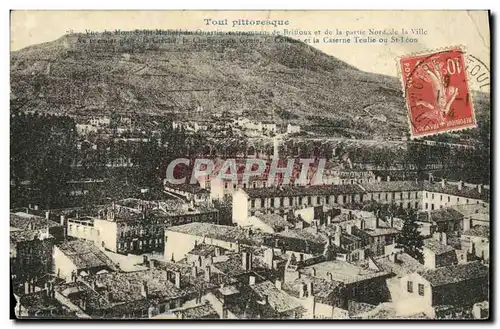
<point>406,194</point>
<point>280,200</point>
<point>190,192</point>
<point>437,253</point>
<point>73,258</point>
<point>42,304</point>
<point>441,220</point>
<point>463,284</point>
<point>274,303</point>
<point>268,223</point>
<point>476,240</point>
<point>360,283</point>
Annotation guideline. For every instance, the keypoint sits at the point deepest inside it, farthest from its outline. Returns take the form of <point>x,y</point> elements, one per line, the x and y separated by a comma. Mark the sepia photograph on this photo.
<point>250,165</point>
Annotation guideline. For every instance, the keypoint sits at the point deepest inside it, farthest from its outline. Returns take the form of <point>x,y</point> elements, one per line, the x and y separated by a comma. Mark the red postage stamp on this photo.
<point>437,93</point>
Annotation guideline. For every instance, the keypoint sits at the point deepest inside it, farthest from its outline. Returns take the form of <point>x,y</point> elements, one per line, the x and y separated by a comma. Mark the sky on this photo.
<point>442,29</point>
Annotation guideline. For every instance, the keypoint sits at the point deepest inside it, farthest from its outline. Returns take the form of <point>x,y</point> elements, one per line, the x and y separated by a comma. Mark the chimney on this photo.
<point>194,271</point>
<point>47,215</point>
<point>431,178</point>
<point>460,185</point>
<point>144,289</point>
<point>329,276</point>
<point>479,188</point>
<point>337,235</point>
<point>362,224</point>
<point>379,179</point>
<point>302,291</point>
<point>246,260</point>
<point>443,183</point>
<point>265,299</point>
<point>237,244</point>
<point>467,223</point>
<point>388,178</point>
<point>269,258</point>
<point>444,238</point>
<point>328,219</point>
<point>217,251</point>
<point>310,291</point>
<point>391,220</point>
<point>27,287</point>
<point>286,228</point>
<point>208,273</point>
<point>278,284</point>
<point>393,257</point>
<point>313,271</point>
<point>177,279</point>
<point>251,280</point>
<point>349,229</point>
<point>151,264</point>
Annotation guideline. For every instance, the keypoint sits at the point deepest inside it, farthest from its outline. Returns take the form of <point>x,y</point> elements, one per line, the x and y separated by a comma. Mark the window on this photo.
<point>467,201</point>
<point>420,289</point>
<point>448,199</point>
<point>309,200</point>
<point>318,200</point>
<point>432,196</point>
<point>225,185</point>
<point>252,213</point>
<point>458,199</point>
<point>426,194</point>
<point>409,195</point>
<point>401,195</point>
<point>300,201</point>
<point>409,205</point>
<point>416,204</point>
<point>432,206</point>
<point>290,201</point>
<point>409,286</point>
<point>264,184</point>
<point>244,185</point>
<point>386,196</point>
<point>426,206</point>
<point>440,198</point>
<point>272,202</point>
<point>262,203</point>
<point>253,203</point>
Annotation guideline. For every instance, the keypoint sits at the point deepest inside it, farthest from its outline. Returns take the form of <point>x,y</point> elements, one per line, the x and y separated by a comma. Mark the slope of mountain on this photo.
<point>265,76</point>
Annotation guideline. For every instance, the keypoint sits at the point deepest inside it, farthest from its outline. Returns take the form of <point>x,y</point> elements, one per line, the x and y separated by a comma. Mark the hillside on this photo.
<point>176,73</point>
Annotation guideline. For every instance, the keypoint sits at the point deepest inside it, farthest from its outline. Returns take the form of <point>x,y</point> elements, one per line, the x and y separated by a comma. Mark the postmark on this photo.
<point>437,92</point>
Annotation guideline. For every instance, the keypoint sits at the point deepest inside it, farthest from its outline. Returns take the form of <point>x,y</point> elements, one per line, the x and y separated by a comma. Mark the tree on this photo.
<point>410,239</point>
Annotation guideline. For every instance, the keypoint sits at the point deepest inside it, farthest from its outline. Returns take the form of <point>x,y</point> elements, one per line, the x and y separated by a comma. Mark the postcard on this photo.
<point>216,165</point>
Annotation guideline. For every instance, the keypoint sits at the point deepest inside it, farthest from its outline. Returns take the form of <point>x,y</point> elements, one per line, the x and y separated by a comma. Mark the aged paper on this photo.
<point>250,164</point>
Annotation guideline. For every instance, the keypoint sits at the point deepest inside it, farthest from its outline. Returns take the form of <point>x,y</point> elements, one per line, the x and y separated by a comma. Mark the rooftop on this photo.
<point>453,189</point>
<point>479,231</point>
<point>220,232</point>
<point>440,215</point>
<point>279,300</point>
<point>456,273</point>
<point>404,264</point>
<point>343,271</point>
<point>275,221</point>
<point>127,286</point>
<point>24,221</point>
<point>437,247</point>
<point>392,186</point>
<point>290,190</point>
<point>85,254</point>
<point>204,311</point>
<point>188,188</point>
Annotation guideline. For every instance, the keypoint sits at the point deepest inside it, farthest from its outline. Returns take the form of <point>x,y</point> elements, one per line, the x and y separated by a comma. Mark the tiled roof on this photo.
<point>452,189</point>
<point>437,247</point>
<point>440,215</point>
<point>478,230</point>
<point>278,299</point>
<point>289,191</point>
<point>85,254</point>
<point>203,250</point>
<point>198,312</point>
<point>456,273</point>
<point>322,288</point>
<point>189,188</point>
<point>220,232</point>
<point>275,221</point>
<point>23,221</point>
<point>343,271</point>
<point>404,265</point>
<point>126,286</point>
<point>392,186</point>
